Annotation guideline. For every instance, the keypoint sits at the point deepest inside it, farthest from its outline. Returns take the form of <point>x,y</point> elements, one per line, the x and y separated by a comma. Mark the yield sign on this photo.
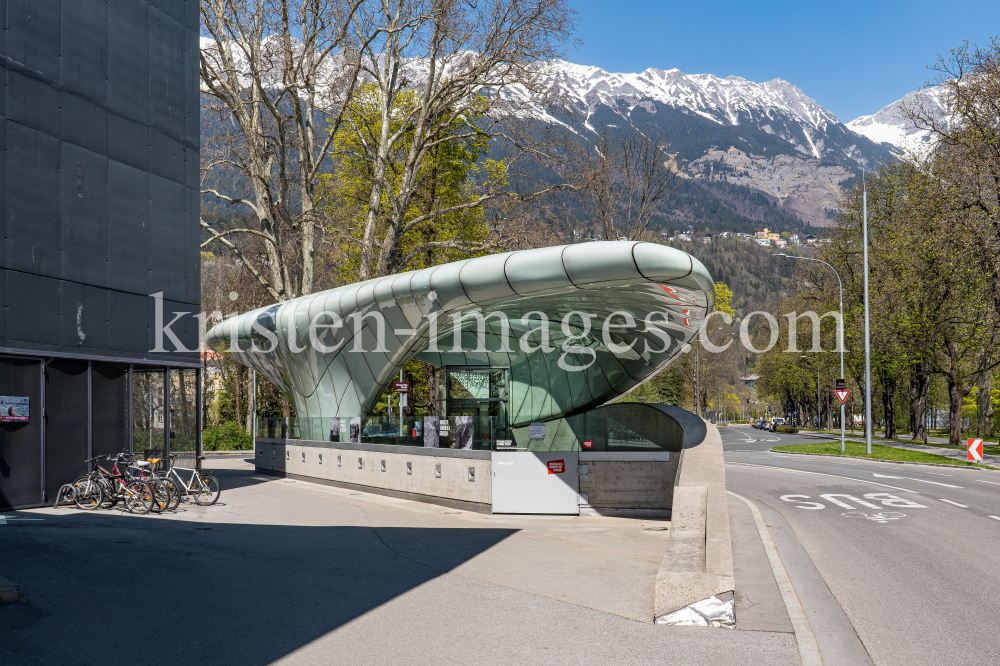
<point>842,394</point>
<point>976,450</point>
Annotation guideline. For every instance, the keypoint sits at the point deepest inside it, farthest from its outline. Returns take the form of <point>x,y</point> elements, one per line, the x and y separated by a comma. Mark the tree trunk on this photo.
<point>250,404</point>
<point>987,397</point>
<point>889,405</point>
<point>432,389</point>
<point>955,395</point>
<point>919,387</point>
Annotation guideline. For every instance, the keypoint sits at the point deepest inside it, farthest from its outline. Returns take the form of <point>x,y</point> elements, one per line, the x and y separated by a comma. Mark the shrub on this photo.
<point>228,436</point>
<point>786,429</point>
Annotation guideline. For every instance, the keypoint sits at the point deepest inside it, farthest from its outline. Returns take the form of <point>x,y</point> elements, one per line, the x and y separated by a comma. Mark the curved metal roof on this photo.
<point>343,371</point>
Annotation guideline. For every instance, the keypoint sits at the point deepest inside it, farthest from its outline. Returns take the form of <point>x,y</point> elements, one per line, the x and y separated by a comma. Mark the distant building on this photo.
<point>764,242</point>
<point>684,237</point>
<point>781,243</point>
<point>794,238</point>
<point>810,238</point>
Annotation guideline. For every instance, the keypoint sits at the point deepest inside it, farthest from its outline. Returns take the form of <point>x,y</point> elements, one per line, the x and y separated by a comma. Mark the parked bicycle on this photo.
<point>204,489</point>
<point>113,486</point>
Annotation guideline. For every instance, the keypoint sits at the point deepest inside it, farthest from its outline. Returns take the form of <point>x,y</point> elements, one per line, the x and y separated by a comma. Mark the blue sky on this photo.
<point>852,57</point>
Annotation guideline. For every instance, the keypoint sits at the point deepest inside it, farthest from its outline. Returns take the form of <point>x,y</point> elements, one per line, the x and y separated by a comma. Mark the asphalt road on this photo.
<point>909,552</point>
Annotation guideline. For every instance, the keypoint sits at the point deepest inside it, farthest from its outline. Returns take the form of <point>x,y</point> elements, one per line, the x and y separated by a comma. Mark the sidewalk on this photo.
<point>955,454</point>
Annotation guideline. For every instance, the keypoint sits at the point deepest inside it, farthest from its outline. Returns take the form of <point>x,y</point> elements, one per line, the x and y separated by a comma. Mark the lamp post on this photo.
<point>840,333</point>
<point>868,347</point>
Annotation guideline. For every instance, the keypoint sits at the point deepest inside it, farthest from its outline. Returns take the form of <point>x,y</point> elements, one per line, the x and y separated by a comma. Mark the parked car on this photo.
<point>775,422</point>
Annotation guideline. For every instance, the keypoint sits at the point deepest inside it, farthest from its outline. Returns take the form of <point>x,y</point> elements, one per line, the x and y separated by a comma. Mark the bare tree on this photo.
<point>626,176</point>
<point>459,59</point>
<point>273,69</point>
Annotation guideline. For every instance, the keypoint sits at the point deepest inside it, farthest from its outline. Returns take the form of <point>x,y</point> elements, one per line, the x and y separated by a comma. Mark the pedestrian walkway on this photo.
<point>955,454</point>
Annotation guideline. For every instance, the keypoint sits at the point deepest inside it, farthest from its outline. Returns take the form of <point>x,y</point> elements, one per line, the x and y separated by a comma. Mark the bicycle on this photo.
<point>204,488</point>
<point>163,490</point>
<point>94,488</point>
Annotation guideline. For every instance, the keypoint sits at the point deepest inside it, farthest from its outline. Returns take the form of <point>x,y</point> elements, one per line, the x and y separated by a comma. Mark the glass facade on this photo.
<point>525,337</point>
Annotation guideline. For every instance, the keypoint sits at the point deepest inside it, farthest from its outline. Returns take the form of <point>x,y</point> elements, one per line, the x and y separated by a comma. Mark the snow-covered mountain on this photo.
<point>766,118</point>
<point>889,126</point>
<point>770,137</point>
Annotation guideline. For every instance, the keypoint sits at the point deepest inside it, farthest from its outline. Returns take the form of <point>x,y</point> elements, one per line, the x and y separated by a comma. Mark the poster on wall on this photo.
<point>356,429</point>
<point>334,428</point>
<point>13,408</point>
<point>463,432</point>
<point>431,438</point>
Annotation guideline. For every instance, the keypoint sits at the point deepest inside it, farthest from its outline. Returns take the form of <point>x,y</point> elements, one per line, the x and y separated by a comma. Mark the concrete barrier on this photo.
<point>698,563</point>
<point>449,477</point>
<point>628,480</point>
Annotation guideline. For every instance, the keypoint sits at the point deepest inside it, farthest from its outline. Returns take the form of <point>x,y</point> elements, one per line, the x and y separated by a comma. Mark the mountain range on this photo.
<point>768,139</point>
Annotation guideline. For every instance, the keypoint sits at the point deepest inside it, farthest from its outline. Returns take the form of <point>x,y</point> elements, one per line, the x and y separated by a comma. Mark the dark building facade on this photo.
<point>100,208</point>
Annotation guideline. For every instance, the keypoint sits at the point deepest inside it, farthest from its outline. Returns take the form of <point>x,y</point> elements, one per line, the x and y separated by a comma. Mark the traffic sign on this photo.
<point>401,387</point>
<point>976,450</point>
<point>842,394</point>
<point>841,385</point>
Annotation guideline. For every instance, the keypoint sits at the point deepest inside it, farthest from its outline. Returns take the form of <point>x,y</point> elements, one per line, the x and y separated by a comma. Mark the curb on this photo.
<point>698,561</point>
<point>8,592</point>
<point>897,462</point>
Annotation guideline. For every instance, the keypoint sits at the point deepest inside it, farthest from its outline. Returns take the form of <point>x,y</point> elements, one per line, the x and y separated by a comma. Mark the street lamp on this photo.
<point>840,338</point>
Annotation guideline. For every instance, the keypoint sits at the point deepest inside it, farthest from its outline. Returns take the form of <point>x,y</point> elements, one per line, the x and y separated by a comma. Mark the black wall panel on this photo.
<point>185,328</point>
<point>100,121</point>
<point>85,48</point>
<point>192,223</point>
<point>109,390</point>
<point>167,87</point>
<point>83,316</point>
<point>128,59</point>
<point>192,96</point>
<point>66,423</point>
<point>32,308</point>
<point>167,237</point>
<point>130,317</point>
<point>128,141</point>
<point>84,215</point>
<point>84,123</point>
<point>128,224</point>
<point>32,200</point>
<point>32,101</point>
<point>166,156</point>
<point>3,310</point>
<point>21,443</point>
<point>33,35</point>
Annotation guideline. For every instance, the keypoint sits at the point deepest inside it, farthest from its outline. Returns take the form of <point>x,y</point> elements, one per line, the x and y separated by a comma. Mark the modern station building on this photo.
<point>530,348</point>
<point>100,180</point>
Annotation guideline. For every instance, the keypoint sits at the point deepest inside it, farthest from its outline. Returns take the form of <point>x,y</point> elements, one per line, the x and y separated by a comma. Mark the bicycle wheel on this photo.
<point>88,494</point>
<point>207,493</point>
<point>110,496</point>
<point>138,497</point>
<point>161,495</point>
<point>175,493</point>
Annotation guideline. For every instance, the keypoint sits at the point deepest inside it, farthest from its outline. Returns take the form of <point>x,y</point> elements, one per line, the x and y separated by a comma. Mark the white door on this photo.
<point>542,482</point>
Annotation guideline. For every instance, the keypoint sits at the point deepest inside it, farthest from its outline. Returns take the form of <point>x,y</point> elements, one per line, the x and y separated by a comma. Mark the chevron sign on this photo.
<point>976,450</point>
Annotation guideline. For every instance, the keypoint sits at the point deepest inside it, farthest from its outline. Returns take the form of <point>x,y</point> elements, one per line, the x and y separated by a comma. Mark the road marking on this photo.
<point>994,517</point>
<point>955,503</point>
<point>938,474</point>
<point>994,483</point>
<point>3,520</point>
<point>936,483</point>
<point>804,636</point>
<point>835,476</point>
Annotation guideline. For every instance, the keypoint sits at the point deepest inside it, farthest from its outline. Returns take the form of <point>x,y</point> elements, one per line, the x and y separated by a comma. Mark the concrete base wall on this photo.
<point>409,471</point>
<point>628,480</point>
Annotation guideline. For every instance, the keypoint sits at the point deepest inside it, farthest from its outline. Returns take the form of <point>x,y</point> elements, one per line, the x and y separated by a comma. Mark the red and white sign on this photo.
<point>401,387</point>
<point>588,443</point>
<point>556,466</point>
<point>976,450</point>
<point>842,394</point>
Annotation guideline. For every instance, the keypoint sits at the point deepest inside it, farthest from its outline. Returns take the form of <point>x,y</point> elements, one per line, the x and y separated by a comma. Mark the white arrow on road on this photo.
<point>886,476</point>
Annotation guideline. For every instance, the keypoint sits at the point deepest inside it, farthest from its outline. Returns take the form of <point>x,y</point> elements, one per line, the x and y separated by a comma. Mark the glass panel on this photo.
<point>147,413</point>
<point>183,410</point>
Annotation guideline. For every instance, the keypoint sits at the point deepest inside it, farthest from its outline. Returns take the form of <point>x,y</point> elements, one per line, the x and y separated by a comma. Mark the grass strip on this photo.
<point>879,452</point>
<point>988,447</point>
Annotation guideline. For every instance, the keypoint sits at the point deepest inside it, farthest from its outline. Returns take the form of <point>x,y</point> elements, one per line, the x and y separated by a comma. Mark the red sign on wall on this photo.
<point>588,443</point>
<point>556,466</point>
